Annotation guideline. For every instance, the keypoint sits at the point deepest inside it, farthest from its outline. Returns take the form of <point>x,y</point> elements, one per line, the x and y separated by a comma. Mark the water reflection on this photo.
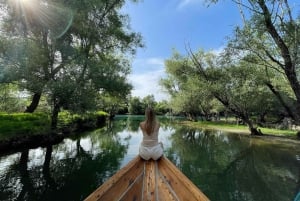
<point>69,171</point>
<point>233,167</point>
<point>227,167</point>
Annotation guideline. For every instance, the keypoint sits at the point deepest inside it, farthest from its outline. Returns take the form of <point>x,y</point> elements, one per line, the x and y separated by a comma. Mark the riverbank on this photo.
<point>241,129</point>
<point>22,130</point>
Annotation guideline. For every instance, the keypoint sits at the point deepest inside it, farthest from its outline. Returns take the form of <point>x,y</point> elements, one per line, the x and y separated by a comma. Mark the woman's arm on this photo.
<point>142,125</point>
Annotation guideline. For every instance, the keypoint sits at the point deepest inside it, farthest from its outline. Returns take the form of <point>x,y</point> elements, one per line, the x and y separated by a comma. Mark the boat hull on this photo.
<point>143,180</point>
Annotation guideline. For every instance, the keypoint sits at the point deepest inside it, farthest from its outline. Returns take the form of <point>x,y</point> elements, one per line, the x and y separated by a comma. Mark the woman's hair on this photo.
<point>150,120</point>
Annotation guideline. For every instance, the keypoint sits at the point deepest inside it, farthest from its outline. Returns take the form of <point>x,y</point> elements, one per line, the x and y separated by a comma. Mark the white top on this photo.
<point>152,139</point>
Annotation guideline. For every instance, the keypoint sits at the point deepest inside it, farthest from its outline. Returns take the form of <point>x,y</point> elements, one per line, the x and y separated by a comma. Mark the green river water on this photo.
<point>226,167</point>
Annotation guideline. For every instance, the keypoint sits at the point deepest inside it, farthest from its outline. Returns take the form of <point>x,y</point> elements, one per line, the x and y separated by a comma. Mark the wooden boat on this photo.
<point>143,180</point>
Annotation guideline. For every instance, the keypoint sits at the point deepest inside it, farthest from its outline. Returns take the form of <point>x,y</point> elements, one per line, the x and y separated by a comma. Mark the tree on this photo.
<point>149,101</point>
<point>162,107</point>
<point>10,100</point>
<point>271,34</point>
<point>197,81</point>
<point>136,106</point>
<point>235,84</point>
<point>88,57</point>
<point>113,104</point>
<point>188,94</point>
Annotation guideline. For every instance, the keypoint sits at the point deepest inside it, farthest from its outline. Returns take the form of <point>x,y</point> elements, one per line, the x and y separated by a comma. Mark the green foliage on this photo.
<point>272,44</point>
<point>206,83</point>
<point>233,127</point>
<point>256,75</point>
<point>16,124</point>
<point>10,98</point>
<point>101,113</point>
<point>21,124</point>
<point>112,104</point>
<point>136,106</point>
<point>162,108</point>
<point>189,94</point>
<point>149,101</point>
<point>90,55</point>
<point>67,118</point>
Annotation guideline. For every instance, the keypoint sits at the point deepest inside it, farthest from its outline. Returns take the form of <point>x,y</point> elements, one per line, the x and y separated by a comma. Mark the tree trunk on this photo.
<point>241,114</point>
<point>34,103</point>
<point>261,119</point>
<point>253,130</point>
<point>288,66</point>
<point>54,117</point>
<point>282,102</point>
<point>24,159</point>
<point>27,186</point>
<point>46,168</point>
<point>191,116</point>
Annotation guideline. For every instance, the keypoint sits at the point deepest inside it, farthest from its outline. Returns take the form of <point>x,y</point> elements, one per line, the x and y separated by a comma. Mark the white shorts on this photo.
<point>151,152</point>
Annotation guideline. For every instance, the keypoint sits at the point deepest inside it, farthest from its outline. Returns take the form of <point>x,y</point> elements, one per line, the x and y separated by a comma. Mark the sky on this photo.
<point>174,24</point>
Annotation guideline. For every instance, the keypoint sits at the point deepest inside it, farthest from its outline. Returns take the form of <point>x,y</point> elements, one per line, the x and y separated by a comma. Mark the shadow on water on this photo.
<point>227,167</point>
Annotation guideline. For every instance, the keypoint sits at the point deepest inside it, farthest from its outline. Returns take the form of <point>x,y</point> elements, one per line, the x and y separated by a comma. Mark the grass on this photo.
<point>20,124</point>
<point>230,127</point>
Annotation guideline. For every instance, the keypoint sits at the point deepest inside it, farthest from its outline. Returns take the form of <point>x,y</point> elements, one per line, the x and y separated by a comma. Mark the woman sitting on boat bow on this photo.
<point>150,147</point>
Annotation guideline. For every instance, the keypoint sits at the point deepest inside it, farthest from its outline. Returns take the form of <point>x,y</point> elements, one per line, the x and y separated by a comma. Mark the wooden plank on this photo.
<point>164,190</point>
<point>135,192</point>
<point>149,181</point>
<point>113,188</point>
<point>182,186</point>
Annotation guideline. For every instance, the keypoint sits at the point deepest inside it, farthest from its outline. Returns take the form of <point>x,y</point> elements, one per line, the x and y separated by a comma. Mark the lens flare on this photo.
<point>25,1</point>
<point>57,18</point>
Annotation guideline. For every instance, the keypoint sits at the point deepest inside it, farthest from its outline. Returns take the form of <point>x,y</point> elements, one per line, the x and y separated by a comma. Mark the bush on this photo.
<point>16,124</point>
<point>19,124</point>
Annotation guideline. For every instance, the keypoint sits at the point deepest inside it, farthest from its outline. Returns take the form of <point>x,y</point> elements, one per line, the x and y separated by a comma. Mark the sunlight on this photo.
<point>25,1</point>
<point>23,7</point>
<point>54,17</point>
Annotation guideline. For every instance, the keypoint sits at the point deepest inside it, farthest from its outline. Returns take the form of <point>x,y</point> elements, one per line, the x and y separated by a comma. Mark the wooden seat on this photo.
<point>151,180</point>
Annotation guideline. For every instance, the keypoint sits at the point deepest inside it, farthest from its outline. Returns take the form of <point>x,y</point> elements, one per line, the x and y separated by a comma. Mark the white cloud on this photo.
<point>155,61</point>
<point>147,73</point>
<point>219,50</point>
<point>148,64</point>
<point>146,76</point>
<point>184,3</point>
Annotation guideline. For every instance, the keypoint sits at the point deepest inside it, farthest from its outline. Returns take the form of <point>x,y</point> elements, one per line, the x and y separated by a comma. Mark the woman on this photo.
<point>150,147</point>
